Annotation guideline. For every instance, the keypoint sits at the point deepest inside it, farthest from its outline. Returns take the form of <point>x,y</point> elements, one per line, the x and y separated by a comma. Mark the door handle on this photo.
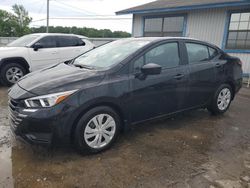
<point>54,52</point>
<point>178,76</point>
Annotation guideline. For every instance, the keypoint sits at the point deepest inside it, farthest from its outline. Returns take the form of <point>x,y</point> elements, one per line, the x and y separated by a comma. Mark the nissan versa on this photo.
<point>88,101</point>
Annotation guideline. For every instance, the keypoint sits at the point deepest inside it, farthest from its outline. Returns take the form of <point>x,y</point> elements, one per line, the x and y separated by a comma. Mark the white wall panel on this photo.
<point>138,24</point>
<point>207,25</point>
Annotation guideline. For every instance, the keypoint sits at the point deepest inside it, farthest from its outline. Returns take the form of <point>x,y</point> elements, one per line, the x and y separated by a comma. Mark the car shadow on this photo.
<point>3,86</point>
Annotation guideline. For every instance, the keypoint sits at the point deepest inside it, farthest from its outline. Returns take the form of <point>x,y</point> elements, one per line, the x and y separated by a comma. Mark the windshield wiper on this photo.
<point>84,66</point>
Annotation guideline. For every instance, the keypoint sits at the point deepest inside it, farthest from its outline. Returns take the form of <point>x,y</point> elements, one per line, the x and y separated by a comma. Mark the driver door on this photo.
<point>46,55</point>
<point>158,95</point>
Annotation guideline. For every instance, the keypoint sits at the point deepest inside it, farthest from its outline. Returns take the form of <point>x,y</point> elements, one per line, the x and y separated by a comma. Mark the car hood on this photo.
<point>58,78</point>
<point>5,51</point>
<point>6,48</point>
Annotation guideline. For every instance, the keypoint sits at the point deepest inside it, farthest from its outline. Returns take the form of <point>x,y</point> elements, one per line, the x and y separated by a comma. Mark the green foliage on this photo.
<point>14,24</point>
<point>88,32</point>
<point>22,18</point>
<point>7,24</point>
<point>17,24</point>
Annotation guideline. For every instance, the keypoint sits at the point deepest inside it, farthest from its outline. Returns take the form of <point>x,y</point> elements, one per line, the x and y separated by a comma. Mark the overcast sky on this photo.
<point>83,13</point>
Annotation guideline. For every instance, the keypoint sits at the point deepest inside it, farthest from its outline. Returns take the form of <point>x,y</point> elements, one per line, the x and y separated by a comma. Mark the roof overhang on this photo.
<point>187,8</point>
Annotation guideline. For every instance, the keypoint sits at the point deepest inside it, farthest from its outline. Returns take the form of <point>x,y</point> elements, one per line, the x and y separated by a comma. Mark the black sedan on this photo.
<point>88,101</point>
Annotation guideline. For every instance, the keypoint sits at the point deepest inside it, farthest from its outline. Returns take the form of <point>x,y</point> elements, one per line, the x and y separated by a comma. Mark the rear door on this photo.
<point>70,47</point>
<point>202,77</point>
<point>218,63</point>
<point>45,56</point>
<point>157,95</point>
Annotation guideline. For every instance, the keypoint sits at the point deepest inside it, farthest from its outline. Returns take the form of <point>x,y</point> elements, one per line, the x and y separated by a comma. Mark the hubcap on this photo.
<point>99,131</point>
<point>13,74</point>
<point>224,99</point>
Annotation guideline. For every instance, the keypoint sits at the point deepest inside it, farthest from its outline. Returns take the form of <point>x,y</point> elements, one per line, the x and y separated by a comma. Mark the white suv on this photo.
<point>36,51</point>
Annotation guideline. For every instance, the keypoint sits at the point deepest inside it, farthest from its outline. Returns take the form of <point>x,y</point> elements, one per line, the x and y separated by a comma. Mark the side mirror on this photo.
<point>37,46</point>
<point>151,69</point>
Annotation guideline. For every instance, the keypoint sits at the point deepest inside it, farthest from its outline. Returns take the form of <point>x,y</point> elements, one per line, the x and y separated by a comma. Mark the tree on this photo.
<point>7,24</point>
<point>14,25</point>
<point>88,32</point>
<point>17,24</point>
<point>22,18</point>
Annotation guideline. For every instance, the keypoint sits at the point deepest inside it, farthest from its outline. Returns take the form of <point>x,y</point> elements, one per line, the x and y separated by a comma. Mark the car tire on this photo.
<point>221,100</point>
<point>97,130</point>
<point>11,73</point>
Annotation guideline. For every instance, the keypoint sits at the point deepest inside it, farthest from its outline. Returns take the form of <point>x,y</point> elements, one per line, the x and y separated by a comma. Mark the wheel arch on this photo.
<point>19,60</point>
<point>231,83</point>
<point>116,107</point>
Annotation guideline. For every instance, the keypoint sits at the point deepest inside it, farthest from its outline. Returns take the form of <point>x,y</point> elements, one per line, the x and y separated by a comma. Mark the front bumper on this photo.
<point>40,126</point>
<point>30,129</point>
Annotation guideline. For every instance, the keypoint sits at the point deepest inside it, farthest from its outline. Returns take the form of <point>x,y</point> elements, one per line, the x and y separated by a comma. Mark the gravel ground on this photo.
<point>193,149</point>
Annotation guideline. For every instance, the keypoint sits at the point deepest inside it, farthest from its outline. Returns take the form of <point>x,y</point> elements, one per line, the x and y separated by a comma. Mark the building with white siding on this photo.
<point>225,23</point>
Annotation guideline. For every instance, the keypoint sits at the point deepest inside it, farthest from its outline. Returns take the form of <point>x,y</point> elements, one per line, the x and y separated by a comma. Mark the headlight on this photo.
<point>47,100</point>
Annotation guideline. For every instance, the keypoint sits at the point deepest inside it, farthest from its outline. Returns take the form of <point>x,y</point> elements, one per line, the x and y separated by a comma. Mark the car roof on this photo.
<point>59,34</point>
<point>158,39</point>
<point>163,38</point>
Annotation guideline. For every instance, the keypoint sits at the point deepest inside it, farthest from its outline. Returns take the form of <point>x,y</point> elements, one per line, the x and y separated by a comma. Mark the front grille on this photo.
<point>16,103</point>
<point>15,116</point>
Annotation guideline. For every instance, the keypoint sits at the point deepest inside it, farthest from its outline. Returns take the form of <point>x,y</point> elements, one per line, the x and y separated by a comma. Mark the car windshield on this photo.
<point>23,41</point>
<point>109,54</point>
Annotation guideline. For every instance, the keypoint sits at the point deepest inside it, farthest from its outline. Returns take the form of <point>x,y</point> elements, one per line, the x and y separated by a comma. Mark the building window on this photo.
<point>164,26</point>
<point>239,31</point>
<point>153,27</point>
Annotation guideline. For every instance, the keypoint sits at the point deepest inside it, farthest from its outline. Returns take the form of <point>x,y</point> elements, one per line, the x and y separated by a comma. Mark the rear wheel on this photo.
<point>221,100</point>
<point>97,130</point>
<point>11,73</point>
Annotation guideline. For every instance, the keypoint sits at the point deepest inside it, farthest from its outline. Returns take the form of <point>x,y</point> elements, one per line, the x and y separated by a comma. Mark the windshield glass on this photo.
<point>23,41</point>
<point>110,54</point>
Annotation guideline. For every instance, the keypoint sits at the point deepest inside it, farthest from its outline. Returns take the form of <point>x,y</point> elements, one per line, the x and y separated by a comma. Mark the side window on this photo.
<point>48,42</point>
<point>69,41</point>
<point>138,64</point>
<point>85,42</point>
<point>63,41</point>
<point>212,52</point>
<point>79,42</point>
<point>166,55</point>
<point>197,53</point>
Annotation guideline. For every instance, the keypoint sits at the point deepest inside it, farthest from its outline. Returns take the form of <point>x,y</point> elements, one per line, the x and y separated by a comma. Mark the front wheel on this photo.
<point>97,130</point>
<point>221,100</point>
<point>11,73</point>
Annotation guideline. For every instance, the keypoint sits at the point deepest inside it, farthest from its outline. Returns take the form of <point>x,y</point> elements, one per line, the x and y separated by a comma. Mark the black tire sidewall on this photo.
<point>79,140</point>
<point>215,110</point>
<point>4,69</point>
